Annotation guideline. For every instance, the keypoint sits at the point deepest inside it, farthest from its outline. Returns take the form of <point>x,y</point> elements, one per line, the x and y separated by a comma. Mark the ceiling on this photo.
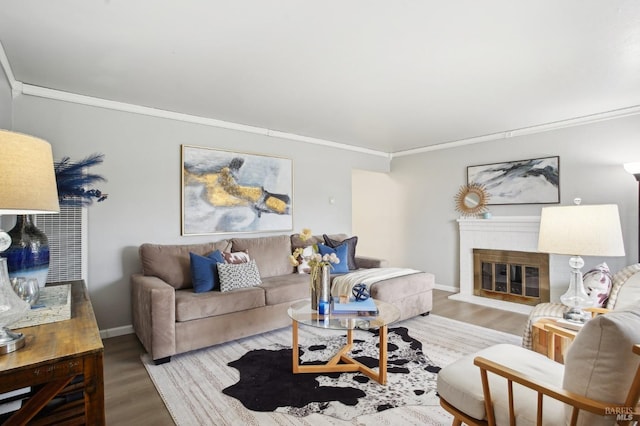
<point>389,76</point>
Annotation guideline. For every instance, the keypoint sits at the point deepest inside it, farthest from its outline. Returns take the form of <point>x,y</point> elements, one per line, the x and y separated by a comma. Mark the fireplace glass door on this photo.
<point>520,277</point>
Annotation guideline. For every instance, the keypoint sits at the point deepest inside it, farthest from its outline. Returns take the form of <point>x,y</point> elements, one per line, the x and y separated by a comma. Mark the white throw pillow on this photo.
<point>238,275</point>
<point>600,363</point>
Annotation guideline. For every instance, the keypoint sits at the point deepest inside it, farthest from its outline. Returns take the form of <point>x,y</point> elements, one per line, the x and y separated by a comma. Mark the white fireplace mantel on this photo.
<point>519,233</point>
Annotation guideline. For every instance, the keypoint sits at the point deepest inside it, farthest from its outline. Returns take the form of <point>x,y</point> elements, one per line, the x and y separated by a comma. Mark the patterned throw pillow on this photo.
<point>236,257</point>
<point>303,267</point>
<point>238,275</point>
<point>597,282</point>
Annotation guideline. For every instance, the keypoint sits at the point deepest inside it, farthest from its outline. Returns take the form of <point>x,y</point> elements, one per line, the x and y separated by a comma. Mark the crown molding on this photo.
<point>539,128</point>
<point>19,88</point>
<point>43,92</point>
<point>16,86</point>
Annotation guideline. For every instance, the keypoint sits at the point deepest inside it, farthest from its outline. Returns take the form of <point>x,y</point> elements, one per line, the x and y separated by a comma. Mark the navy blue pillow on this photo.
<point>342,252</point>
<point>351,245</point>
<point>204,271</point>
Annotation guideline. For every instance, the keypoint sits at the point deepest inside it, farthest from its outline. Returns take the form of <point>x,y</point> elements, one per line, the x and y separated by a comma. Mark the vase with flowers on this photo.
<point>319,270</point>
<point>28,254</point>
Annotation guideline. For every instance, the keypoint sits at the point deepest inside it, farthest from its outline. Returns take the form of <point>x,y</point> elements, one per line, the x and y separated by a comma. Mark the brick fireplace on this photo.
<point>504,233</point>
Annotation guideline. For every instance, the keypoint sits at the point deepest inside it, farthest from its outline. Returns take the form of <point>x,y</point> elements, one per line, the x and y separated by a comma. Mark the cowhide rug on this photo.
<point>268,384</point>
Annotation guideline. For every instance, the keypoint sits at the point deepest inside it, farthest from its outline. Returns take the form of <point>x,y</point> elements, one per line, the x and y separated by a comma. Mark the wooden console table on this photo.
<point>62,363</point>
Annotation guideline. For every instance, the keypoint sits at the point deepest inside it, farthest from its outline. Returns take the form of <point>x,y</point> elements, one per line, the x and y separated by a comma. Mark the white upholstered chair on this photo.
<point>508,384</point>
<point>625,291</point>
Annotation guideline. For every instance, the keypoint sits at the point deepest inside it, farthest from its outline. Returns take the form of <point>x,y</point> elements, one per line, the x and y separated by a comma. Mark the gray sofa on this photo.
<point>170,318</point>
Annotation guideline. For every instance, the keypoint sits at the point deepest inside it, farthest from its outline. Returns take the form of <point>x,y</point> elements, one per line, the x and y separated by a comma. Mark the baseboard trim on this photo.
<point>117,331</point>
<point>448,288</point>
<point>493,303</point>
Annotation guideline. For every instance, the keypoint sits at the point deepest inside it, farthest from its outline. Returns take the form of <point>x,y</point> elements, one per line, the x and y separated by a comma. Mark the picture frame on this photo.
<point>532,181</point>
<point>231,192</point>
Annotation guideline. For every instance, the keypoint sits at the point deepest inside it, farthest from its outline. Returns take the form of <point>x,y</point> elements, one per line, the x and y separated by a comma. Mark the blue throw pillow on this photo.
<point>351,248</point>
<point>342,252</point>
<point>204,271</point>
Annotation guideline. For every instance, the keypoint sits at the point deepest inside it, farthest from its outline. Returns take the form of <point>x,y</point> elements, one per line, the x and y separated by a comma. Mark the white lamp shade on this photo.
<point>27,178</point>
<point>581,230</point>
<point>633,168</point>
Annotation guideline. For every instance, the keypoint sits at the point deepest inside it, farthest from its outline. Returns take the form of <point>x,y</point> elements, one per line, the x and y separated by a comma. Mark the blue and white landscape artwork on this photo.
<point>535,181</point>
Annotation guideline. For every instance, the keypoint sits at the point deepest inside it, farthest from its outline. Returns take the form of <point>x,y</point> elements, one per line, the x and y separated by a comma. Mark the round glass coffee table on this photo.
<point>301,313</point>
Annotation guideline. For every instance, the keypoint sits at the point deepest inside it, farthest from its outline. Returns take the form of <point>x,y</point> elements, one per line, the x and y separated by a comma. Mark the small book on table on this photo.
<point>362,307</point>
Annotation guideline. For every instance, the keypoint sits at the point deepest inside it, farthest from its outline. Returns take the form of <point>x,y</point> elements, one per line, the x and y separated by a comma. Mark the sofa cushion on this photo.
<point>629,293</point>
<point>238,275</point>
<point>204,271</point>
<point>460,385</point>
<point>270,253</point>
<point>171,263</point>
<point>351,248</point>
<point>193,306</point>
<point>402,287</point>
<point>286,288</point>
<point>600,364</point>
<point>619,281</point>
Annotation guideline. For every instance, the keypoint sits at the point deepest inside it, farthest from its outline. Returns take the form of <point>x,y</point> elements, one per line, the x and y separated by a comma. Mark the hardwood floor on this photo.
<point>131,398</point>
<point>496,319</point>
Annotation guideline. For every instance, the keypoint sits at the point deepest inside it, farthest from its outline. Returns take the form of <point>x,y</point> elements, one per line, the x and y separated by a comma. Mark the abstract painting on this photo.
<point>224,191</point>
<point>535,181</point>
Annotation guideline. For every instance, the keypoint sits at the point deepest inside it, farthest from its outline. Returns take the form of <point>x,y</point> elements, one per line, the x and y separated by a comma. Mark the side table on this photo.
<point>62,363</point>
<point>555,344</point>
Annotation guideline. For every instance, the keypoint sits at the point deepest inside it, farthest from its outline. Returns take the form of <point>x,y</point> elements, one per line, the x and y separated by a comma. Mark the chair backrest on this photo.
<point>625,288</point>
<point>600,363</point>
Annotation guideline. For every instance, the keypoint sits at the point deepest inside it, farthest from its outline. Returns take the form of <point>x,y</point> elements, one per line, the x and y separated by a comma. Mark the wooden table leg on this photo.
<point>94,390</point>
<point>382,366</point>
<point>348,364</point>
<point>294,347</point>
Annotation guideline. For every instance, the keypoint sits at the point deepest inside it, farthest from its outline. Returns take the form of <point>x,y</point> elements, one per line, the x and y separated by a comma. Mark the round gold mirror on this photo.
<point>471,199</point>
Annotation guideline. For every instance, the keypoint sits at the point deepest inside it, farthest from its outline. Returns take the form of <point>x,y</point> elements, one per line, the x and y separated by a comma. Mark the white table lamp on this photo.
<point>590,230</point>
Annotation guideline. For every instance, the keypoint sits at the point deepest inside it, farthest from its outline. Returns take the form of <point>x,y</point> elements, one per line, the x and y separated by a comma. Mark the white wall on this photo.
<point>142,165</point>
<point>591,158</point>
<point>414,224</point>
<point>376,216</point>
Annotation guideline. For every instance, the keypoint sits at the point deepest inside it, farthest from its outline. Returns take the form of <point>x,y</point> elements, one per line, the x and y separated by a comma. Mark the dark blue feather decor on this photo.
<point>74,183</point>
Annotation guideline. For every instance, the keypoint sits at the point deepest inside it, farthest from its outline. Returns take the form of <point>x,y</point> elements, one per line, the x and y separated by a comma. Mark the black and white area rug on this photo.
<point>267,383</point>
<point>192,384</point>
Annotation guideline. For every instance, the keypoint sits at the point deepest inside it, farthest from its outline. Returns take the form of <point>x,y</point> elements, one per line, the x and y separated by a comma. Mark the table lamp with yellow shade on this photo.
<point>27,186</point>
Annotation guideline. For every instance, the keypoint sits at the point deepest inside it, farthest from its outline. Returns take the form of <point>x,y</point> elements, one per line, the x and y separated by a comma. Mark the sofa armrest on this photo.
<point>370,262</point>
<point>153,309</point>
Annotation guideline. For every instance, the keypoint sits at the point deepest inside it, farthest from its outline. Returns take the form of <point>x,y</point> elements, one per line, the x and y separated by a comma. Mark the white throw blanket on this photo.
<point>344,283</point>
